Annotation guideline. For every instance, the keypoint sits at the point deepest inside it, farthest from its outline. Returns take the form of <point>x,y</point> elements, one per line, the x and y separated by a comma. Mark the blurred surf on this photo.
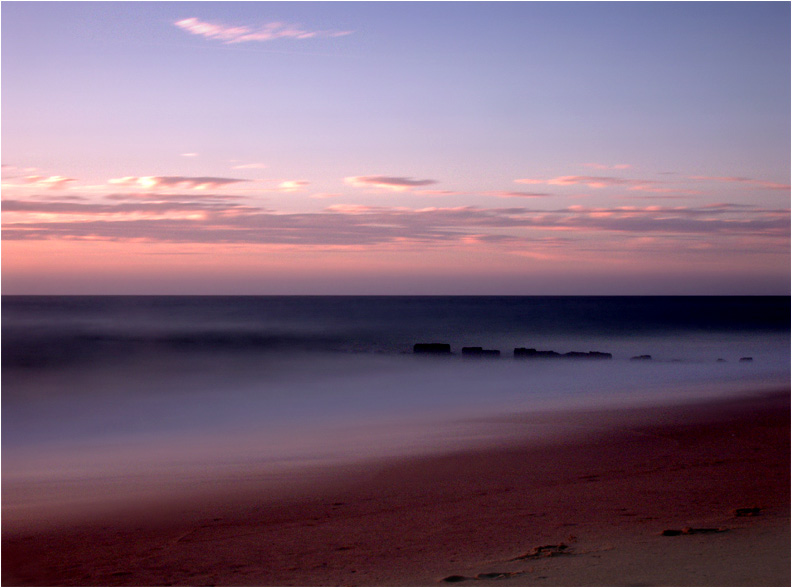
<point>95,386</point>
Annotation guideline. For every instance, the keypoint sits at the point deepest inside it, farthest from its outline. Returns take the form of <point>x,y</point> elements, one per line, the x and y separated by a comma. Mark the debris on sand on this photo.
<point>546,551</point>
<point>691,531</point>
<point>747,512</point>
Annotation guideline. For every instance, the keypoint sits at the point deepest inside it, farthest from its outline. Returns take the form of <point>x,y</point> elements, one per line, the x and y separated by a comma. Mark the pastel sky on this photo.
<point>395,148</point>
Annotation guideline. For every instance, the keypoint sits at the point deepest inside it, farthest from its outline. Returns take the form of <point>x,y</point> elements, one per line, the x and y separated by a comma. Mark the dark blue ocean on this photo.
<point>92,383</point>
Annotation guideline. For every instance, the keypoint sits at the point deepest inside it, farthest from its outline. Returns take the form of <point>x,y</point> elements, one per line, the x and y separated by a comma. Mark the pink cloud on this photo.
<point>741,180</point>
<point>397,184</point>
<point>251,166</point>
<point>218,221</point>
<point>169,197</point>
<point>190,182</point>
<point>667,194</point>
<point>598,181</point>
<point>659,190</point>
<point>127,204</point>
<point>49,182</point>
<point>517,194</point>
<point>242,34</point>
<point>293,185</point>
<point>354,208</point>
<point>590,181</point>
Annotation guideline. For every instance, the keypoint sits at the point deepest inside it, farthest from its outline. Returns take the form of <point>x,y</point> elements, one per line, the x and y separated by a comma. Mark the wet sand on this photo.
<point>634,497</point>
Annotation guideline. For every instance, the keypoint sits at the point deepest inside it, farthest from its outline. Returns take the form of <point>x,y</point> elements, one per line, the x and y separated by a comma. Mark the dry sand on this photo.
<point>588,509</point>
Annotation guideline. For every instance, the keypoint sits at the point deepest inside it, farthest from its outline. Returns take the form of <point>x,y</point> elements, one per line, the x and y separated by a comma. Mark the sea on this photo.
<point>92,385</point>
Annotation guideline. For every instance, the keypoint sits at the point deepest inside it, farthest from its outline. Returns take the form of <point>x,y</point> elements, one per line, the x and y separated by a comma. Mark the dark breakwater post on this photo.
<point>480,352</point>
<point>432,348</point>
<point>587,355</point>
<point>531,353</point>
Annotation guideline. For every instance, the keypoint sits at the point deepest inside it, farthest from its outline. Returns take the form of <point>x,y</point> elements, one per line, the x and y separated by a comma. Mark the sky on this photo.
<point>515,148</point>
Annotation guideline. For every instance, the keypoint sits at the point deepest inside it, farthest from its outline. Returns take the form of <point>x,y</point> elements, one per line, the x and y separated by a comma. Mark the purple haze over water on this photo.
<point>96,387</point>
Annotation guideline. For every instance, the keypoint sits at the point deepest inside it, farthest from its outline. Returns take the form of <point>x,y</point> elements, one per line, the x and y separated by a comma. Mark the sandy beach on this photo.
<point>690,495</point>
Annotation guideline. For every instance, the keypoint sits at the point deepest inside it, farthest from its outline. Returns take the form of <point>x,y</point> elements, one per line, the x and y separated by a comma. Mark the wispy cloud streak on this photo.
<point>219,221</point>
<point>740,180</point>
<point>49,182</point>
<point>398,184</point>
<point>251,166</point>
<point>644,185</point>
<point>591,181</point>
<point>516,194</point>
<point>190,182</point>
<point>82,208</point>
<point>293,185</point>
<point>244,34</point>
